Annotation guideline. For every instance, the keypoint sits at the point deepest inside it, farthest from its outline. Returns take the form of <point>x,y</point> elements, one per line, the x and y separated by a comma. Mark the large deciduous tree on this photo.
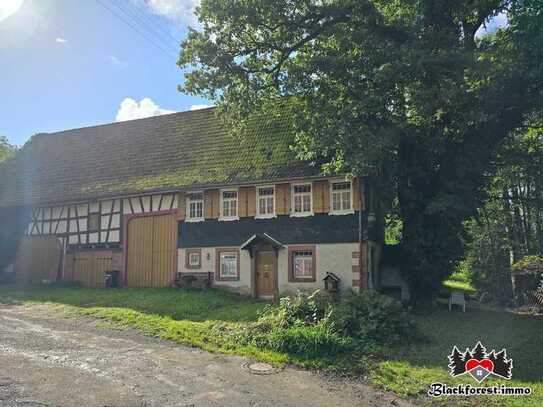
<point>403,91</point>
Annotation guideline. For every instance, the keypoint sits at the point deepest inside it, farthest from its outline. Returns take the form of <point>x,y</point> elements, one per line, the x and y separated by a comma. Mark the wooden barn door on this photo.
<point>39,259</point>
<point>89,268</point>
<point>152,249</point>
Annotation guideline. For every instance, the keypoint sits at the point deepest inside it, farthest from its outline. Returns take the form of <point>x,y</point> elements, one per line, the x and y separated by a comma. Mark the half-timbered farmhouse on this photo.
<point>163,198</point>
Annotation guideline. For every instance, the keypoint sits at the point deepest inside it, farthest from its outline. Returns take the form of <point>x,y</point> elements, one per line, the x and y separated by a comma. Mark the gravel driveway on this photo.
<point>51,360</point>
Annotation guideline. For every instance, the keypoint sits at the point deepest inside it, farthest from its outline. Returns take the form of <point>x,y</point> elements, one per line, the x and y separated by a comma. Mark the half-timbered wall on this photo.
<point>94,223</point>
<point>152,203</point>
<point>79,224</point>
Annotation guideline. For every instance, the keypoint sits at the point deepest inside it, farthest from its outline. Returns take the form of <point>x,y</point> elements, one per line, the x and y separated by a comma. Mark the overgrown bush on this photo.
<point>373,317</point>
<point>306,341</point>
<point>302,309</point>
<point>313,327</point>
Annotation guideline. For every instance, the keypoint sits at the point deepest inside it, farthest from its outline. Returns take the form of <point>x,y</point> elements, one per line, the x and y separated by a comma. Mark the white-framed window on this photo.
<point>195,207</point>
<point>228,263</point>
<point>341,197</point>
<point>193,258</point>
<point>229,204</point>
<point>302,267</point>
<point>302,200</point>
<point>265,201</point>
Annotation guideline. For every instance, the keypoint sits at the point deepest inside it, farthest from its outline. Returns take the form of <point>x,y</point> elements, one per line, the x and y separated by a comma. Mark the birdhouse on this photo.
<point>331,282</point>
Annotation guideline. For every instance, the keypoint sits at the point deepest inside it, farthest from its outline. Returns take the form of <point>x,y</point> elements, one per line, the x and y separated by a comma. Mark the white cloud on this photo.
<point>177,10</point>
<point>114,60</point>
<point>9,7</point>
<point>61,40</point>
<point>130,109</point>
<point>492,25</point>
<point>198,107</point>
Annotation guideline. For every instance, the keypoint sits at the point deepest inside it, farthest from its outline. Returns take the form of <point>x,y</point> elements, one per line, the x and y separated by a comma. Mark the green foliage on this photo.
<point>373,317</point>
<point>401,91</point>
<point>299,326</point>
<point>509,226</point>
<point>393,229</point>
<point>462,273</point>
<point>488,257</point>
<point>7,150</point>
<point>456,285</point>
<point>315,341</point>
<point>460,280</point>
<point>312,326</point>
<point>299,330</point>
<point>529,263</point>
<point>302,309</point>
<point>407,369</point>
<point>177,304</point>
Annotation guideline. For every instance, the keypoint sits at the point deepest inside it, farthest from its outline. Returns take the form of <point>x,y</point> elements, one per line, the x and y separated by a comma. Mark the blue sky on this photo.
<point>72,63</point>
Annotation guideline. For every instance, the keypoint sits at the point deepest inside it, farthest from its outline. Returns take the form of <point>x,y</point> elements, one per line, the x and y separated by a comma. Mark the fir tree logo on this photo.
<point>480,364</point>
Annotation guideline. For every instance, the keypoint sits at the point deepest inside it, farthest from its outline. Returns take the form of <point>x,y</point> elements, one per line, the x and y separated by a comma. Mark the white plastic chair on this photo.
<point>457,298</point>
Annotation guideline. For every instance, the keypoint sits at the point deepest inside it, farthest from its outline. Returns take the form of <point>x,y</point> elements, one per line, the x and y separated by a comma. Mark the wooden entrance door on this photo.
<point>266,274</point>
<point>152,250</point>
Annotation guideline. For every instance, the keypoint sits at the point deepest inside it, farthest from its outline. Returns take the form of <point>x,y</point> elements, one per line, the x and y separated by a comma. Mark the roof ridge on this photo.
<point>149,118</point>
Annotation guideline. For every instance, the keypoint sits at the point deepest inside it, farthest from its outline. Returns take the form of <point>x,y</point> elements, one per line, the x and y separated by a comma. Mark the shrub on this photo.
<point>309,342</point>
<point>301,309</point>
<point>312,327</point>
<point>374,317</point>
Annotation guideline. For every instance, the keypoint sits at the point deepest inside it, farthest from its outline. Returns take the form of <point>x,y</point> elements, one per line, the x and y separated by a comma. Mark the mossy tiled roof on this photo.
<point>175,151</point>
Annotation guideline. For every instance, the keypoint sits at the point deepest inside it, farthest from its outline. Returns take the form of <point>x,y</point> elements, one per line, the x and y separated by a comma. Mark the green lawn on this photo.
<point>195,306</point>
<point>209,319</point>
<point>411,369</point>
<point>204,319</point>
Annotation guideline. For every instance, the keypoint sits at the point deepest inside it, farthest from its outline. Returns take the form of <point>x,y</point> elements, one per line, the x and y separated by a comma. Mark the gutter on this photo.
<point>175,190</point>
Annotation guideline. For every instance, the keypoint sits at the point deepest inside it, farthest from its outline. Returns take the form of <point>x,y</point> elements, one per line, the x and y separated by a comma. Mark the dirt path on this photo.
<point>48,360</point>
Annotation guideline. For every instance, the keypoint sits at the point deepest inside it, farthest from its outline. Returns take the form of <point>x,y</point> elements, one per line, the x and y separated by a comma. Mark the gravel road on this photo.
<point>51,360</point>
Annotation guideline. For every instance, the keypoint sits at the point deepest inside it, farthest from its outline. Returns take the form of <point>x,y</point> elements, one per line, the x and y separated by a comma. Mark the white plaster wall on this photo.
<point>336,258</point>
<point>208,261</point>
<point>243,285</point>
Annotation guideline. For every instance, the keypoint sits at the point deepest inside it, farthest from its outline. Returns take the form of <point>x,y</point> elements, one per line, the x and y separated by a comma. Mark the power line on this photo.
<point>147,24</point>
<point>151,21</point>
<point>135,28</point>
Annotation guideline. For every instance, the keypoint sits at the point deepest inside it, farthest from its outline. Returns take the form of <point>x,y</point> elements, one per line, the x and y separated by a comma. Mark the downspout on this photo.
<point>361,256</point>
